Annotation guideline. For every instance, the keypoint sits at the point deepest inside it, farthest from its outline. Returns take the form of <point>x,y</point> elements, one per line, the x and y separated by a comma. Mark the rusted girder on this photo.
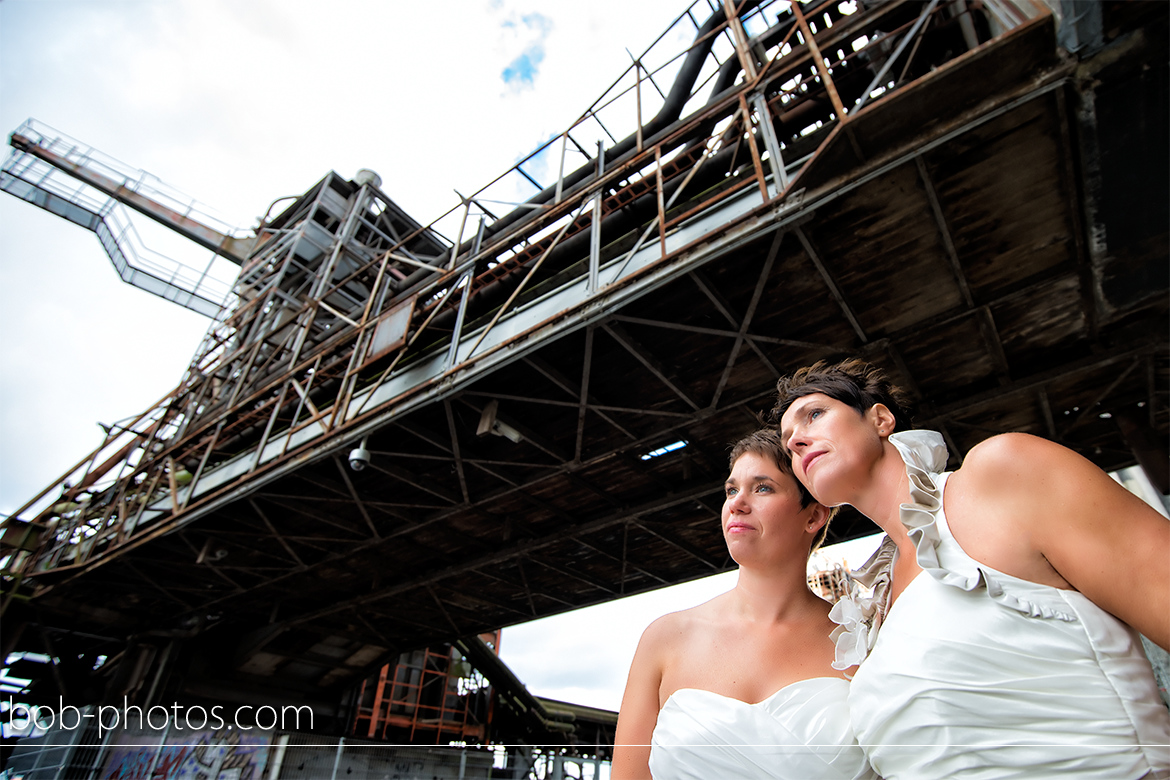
<point>234,249</point>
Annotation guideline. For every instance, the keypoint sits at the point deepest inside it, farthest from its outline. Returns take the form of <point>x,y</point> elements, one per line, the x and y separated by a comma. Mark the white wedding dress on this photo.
<point>801,732</point>
<point>973,673</point>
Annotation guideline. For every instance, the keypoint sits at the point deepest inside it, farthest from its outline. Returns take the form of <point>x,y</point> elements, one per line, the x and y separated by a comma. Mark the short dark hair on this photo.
<point>766,443</point>
<point>852,382</point>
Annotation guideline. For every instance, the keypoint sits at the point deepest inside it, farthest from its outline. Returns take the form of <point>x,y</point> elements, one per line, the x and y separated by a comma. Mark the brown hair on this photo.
<point>766,443</point>
<point>852,382</point>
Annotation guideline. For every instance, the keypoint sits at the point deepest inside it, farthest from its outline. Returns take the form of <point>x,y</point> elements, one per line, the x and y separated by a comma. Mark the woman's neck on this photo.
<point>883,494</point>
<point>774,596</point>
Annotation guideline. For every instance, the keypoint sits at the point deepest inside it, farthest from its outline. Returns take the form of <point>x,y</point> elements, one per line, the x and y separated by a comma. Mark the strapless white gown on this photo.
<point>976,674</point>
<point>801,732</point>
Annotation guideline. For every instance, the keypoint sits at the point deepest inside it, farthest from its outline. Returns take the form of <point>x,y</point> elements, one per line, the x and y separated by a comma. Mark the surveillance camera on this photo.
<point>359,458</point>
<point>489,422</point>
<point>500,428</point>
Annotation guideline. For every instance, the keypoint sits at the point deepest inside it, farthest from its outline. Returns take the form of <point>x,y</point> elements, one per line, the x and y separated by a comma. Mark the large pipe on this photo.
<point>680,93</point>
<point>671,109</point>
<point>636,213</point>
<point>676,100</point>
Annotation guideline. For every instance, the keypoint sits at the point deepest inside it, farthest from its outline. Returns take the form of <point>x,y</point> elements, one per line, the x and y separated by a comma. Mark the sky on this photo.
<point>237,104</point>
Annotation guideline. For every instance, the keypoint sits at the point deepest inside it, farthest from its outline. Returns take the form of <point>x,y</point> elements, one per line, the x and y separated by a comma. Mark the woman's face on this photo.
<point>762,515</point>
<point>833,446</point>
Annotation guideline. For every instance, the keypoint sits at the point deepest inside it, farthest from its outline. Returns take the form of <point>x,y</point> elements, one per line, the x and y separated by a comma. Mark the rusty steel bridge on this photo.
<point>971,194</point>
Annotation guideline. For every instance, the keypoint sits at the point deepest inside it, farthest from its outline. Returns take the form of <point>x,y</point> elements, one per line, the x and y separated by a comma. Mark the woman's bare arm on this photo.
<point>1104,541</point>
<point>640,705</point>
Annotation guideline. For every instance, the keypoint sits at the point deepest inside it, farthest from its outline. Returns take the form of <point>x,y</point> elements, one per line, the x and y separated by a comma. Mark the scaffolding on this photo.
<point>88,188</point>
<point>429,696</point>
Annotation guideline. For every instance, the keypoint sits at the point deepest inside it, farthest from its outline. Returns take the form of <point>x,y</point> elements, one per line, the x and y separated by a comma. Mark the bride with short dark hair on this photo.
<point>998,640</point>
<point>743,686</point>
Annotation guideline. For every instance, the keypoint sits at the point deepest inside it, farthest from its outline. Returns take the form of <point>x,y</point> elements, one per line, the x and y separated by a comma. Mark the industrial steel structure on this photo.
<point>397,434</point>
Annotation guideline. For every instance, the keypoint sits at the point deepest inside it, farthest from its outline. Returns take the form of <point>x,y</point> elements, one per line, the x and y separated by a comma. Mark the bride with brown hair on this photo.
<point>743,686</point>
<point>999,638</point>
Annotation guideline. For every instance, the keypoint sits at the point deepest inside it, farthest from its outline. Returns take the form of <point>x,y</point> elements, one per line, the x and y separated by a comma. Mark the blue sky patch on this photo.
<point>521,72</point>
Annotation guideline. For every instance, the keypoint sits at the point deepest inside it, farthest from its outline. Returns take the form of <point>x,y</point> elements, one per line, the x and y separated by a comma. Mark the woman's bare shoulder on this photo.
<point>676,627</point>
<point>1019,458</point>
<point>1007,448</point>
<point>1034,488</point>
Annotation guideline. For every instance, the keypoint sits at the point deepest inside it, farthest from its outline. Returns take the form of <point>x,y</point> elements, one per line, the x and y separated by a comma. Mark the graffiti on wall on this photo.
<point>190,755</point>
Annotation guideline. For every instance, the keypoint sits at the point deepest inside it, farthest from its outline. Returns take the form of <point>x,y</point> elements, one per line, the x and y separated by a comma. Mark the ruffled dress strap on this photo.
<point>859,616</point>
<point>925,456</point>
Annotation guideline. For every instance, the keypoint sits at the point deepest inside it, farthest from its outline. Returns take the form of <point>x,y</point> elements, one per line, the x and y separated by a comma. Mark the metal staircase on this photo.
<point>43,169</point>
